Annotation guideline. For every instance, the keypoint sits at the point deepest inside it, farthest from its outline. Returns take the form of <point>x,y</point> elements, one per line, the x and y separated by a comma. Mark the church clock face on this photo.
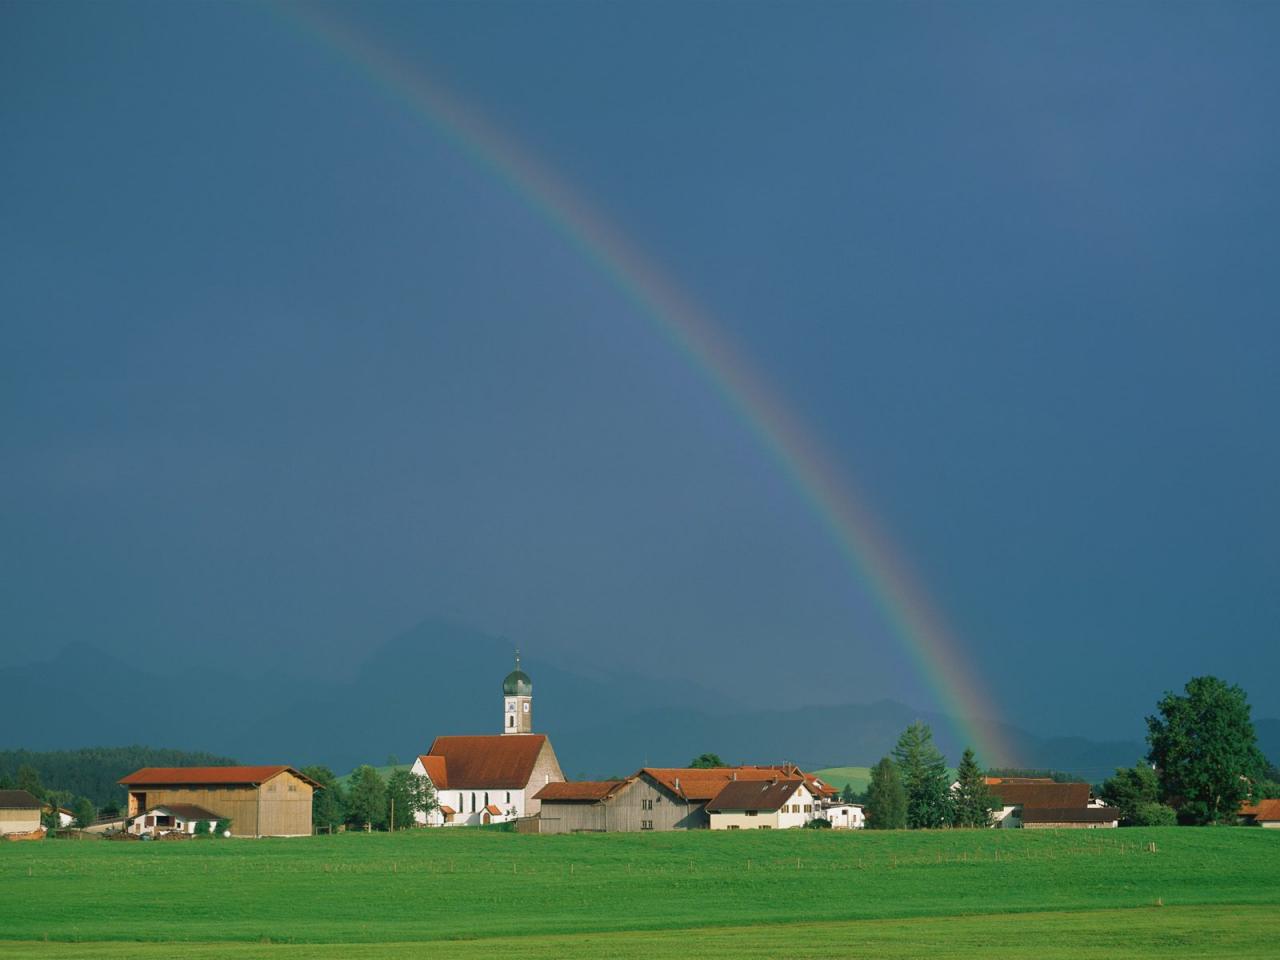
<point>526,706</point>
<point>511,707</point>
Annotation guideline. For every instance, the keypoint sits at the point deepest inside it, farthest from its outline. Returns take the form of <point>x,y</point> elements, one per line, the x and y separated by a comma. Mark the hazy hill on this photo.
<point>444,678</point>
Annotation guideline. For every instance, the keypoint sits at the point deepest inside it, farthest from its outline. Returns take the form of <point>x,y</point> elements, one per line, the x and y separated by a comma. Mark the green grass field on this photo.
<point>468,893</point>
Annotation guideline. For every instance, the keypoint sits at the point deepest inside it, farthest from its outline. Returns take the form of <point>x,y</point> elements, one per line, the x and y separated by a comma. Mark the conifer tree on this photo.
<point>886,799</point>
<point>924,777</point>
<point>971,801</point>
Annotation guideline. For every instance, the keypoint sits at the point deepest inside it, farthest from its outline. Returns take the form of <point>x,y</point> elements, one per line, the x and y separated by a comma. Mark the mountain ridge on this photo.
<point>443,677</point>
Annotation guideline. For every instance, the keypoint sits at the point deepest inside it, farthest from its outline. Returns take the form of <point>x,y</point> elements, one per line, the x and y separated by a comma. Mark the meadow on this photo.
<point>464,893</point>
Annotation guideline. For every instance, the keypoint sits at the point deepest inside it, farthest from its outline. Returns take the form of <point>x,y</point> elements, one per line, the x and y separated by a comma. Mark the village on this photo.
<point>514,777</point>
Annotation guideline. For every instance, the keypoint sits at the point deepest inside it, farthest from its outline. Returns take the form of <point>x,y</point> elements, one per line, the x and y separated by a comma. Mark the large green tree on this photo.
<point>1129,789</point>
<point>924,777</point>
<point>886,798</point>
<point>367,799</point>
<point>1205,750</point>
<point>971,801</point>
<point>411,795</point>
<point>56,799</point>
<point>85,814</point>
<point>705,761</point>
<point>328,808</point>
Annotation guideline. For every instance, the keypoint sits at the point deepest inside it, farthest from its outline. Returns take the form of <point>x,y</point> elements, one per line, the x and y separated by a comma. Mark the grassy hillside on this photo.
<point>858,777</point>
<point>1088,893</point>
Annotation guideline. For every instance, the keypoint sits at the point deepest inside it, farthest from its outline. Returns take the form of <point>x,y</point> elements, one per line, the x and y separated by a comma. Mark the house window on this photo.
<point>511,721</point>
<point>508,796</point>
<point>486,798</point>
<point>646,824</point>
<point>753,813</point>
<point>473,803</point>
<point>808,808</point>
<point>733,826</point>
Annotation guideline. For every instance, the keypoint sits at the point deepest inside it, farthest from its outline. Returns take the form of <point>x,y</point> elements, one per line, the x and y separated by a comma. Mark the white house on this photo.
<point>844,816</point>
<point>491,779</point>
<point>762,805</point>
<point>174,818</point>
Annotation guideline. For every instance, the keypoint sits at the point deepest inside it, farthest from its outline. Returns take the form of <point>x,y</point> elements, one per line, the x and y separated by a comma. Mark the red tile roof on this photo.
<point>201,776</point>
<point>437,771</point>
<point>502,761</point>
<point>754,795</point>
<point>694,783</point>
<point>1047,794</point>
<point>447,810</point>
<point>585,790</point>
<point>1264,811</point>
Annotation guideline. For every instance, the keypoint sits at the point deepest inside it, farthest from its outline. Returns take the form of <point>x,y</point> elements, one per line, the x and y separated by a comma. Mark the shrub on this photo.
<point>222,827</point>
<point>203,828</point>
<point>1154,815</point>
<point>818,823</point>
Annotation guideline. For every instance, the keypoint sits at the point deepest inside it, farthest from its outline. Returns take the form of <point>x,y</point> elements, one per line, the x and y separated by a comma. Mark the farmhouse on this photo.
<point>19,812</point>
<point>761,805</point>
<point>491,779</point>
<point>270,801</point>
<point>1264,813</point>
<point>653,798</point>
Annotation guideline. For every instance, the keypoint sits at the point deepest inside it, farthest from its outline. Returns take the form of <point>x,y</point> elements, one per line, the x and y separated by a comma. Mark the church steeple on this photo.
<point>517,701</point>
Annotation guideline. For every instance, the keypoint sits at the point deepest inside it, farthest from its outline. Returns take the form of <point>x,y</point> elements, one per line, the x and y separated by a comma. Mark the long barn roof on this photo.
<point>206,776</point>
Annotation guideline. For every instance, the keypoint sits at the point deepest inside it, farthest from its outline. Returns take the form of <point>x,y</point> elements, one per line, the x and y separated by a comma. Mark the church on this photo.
<point>491,778</point>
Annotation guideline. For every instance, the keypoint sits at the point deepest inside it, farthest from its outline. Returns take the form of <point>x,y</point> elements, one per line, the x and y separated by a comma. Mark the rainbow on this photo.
<point>866,548</point>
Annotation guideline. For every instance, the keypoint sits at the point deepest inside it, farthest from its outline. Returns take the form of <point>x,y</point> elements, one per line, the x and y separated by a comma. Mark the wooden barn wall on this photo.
<point>628,808</point>
<point>286,806</point>
<point>564,816</point>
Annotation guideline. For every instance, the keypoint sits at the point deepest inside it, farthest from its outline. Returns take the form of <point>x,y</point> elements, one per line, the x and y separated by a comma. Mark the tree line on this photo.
<point>1203,763</point>
<point>367,801</point>
<point>85,781</point>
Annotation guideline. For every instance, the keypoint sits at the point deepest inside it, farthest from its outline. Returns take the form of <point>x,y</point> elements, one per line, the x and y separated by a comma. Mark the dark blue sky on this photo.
<point>284,372</point>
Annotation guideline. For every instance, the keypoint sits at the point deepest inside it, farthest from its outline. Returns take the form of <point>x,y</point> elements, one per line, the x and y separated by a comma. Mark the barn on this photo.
<point>271,801</point>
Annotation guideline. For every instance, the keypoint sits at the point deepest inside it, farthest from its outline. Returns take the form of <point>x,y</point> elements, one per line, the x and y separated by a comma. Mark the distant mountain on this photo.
<point>444,678</point>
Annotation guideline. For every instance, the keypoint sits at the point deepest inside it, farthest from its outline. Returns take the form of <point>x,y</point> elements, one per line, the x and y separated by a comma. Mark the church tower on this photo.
<point>517,701</point>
